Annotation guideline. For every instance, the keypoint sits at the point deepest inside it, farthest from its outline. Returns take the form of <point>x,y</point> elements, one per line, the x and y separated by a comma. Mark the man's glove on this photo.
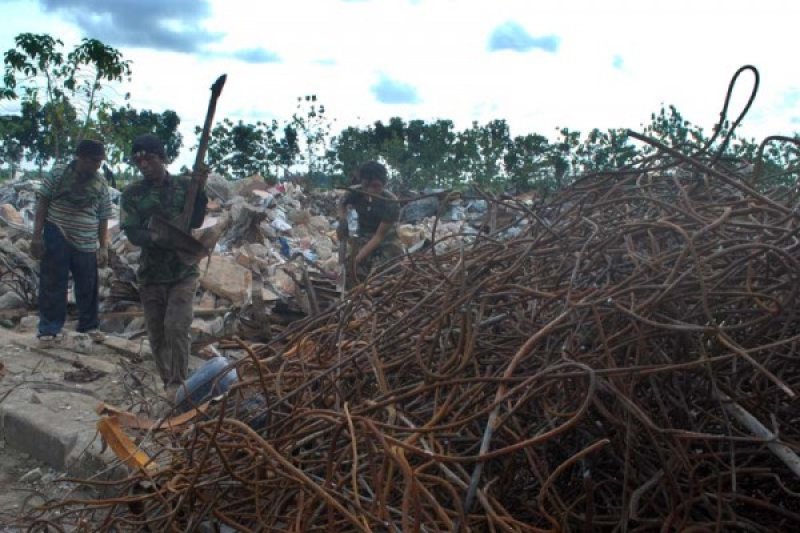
<point>37,248</point>
<point>102,256</point>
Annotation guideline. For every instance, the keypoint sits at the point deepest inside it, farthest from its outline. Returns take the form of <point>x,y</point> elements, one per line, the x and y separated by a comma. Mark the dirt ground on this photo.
<point>26,483</point>
<point>66,382</point>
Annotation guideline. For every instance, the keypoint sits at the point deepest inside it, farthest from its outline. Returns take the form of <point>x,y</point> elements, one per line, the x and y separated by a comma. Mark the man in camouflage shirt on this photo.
<point>71,219</point>
<point>378,212</point>
<point>166,285</point>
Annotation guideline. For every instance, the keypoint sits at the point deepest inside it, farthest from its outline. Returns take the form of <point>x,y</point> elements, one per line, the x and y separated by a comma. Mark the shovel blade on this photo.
<point>167,235</point>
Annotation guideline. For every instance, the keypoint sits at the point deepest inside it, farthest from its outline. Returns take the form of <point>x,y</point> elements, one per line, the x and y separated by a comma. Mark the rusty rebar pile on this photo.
<point>584,375</point>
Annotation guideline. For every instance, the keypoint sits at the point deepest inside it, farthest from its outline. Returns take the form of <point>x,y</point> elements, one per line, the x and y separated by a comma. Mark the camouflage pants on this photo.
<point>389,249</point>
<point>168,315</point>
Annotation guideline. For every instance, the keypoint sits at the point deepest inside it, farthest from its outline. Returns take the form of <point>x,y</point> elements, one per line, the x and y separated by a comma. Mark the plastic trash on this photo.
<point>418,209</point>
<point>213,378</point>
<point>455,212</point>
<point>286,248</point>
<point>352,222</point>
<point>281,225</point>
<point>477,206</point>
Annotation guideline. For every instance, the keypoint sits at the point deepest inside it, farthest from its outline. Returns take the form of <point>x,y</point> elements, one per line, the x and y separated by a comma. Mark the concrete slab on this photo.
<point>53,420</point>
<point>39,431</point>
<point>58,429</point>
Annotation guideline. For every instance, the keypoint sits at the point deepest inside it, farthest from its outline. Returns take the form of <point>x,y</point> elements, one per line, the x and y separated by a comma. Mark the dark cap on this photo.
<point>90,148</point>
<point>150,144</point>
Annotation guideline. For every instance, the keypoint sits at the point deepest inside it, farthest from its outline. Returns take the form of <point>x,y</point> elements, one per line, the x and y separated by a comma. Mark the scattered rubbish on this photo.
<point>84,374</point>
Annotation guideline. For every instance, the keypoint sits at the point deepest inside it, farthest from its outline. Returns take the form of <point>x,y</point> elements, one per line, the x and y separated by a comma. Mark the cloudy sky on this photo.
<point>539,65</point>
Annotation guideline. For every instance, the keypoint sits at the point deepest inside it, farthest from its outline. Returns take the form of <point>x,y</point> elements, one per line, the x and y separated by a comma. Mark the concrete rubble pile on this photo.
<point>277,243</point>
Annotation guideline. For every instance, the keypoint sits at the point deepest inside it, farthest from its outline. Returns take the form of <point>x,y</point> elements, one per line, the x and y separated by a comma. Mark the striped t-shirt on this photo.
<point>77,204</point>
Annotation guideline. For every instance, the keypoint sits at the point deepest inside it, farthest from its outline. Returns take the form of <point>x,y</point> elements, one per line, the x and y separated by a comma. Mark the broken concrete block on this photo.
<point>224,277</point>
<point>248,185</point>
<point>329,265</point>
<point>298,216</point>
<point>282,282</point>
<point>300,232</point>
<point>207,300</point>
<point>208,222</point>
<point>10,215</point>
<point>218,187</point>
<point>28,322</point>
<point>206,328</point>
<point>252,256</point>
<point>268,295</point>
<point>266,199</point>
<point>324,246</point>
<point>410,234</point>
<point>268,231</point>
<point>256,250</point>
<point>46,435</point>
<point>135,325</point>
<point>24,246</point>
<point>419,209</point>
<point>11,300</point>
<point>319,223</point>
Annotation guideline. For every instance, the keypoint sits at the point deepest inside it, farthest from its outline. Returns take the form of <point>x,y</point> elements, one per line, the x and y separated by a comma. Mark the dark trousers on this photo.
<point>59,259</point>
<point>168,315</point>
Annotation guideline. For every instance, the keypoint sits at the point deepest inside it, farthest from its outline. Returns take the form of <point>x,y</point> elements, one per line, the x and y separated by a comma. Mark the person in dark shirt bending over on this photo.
<point>378,213</point>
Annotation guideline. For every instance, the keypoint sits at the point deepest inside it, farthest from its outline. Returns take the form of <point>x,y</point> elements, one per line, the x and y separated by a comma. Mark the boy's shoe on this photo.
<point>49,341</point>
<point>96,335</point>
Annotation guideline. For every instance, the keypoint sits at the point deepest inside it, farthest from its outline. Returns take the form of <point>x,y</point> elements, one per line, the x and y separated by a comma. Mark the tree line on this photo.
<point>63,96</point>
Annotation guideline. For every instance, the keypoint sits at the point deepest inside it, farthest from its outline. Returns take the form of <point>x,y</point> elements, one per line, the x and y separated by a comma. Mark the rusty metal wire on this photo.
<point>571,372</point>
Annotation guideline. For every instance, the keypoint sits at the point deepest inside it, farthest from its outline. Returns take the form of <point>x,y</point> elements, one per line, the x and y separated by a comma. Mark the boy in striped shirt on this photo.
<point>70,235</point>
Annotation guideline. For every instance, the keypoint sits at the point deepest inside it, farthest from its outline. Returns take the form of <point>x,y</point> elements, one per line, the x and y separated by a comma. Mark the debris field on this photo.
<point>620,356</point>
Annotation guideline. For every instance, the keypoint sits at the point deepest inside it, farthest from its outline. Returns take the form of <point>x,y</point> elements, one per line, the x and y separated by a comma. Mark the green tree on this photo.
<point>604,150</point>
<point>669,127</point>
<point>103,63</point>
<point>237,149</point>
<point>11,149</point>
<point>310,119</point>
<point>430,146</point>
<point>528,163</point>
<point>242,149</point>
<point>349,149</point>
<point>480,150</point>
<point>37,71</point>
<point>563,156</point>
<point>283,150</point>
<point>119,125</point>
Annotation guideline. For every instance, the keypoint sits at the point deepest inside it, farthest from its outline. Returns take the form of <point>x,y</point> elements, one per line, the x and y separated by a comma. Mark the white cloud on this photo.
<point>616,61</point>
